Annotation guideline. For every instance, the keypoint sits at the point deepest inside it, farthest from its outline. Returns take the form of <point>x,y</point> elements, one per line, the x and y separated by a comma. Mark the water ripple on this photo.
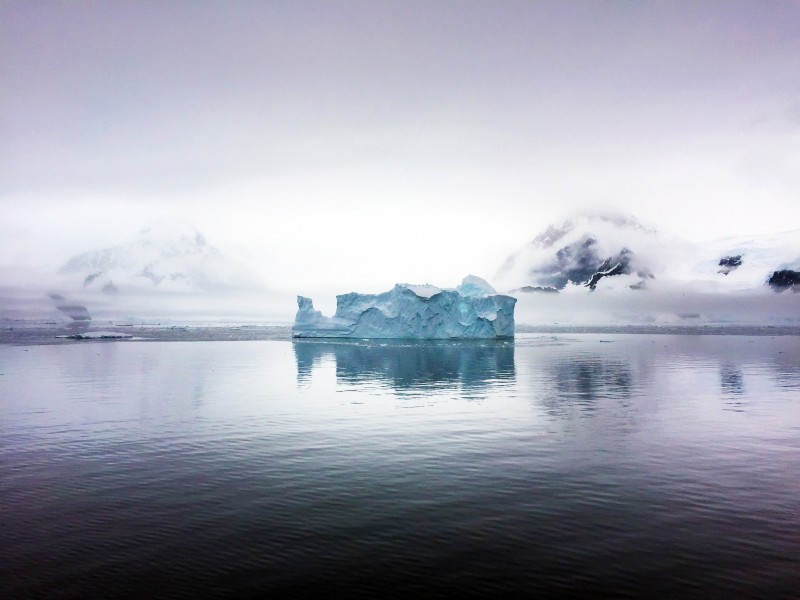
<point>556,465</point>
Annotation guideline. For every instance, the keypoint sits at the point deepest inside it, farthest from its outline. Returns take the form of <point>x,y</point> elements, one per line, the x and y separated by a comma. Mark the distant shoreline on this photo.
<point>47,333</point>
<point>715,329</point>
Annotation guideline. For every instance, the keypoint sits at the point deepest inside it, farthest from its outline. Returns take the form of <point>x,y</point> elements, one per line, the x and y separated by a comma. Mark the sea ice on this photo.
<point>472,310</point>
<point>98,335</point>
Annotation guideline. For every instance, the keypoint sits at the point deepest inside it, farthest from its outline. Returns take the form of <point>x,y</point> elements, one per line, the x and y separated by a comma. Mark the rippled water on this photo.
<point>615,465</point>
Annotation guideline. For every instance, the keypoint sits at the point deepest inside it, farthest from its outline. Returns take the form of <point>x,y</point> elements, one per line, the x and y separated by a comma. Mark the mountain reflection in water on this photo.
<point>731,379</point>
<point>409,367</point>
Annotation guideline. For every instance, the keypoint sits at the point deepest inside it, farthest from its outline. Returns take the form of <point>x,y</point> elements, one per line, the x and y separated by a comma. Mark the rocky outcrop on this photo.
<point>729,263</point>
<point>785,279</point>
<point>581,251</point>
<point>616,265</point>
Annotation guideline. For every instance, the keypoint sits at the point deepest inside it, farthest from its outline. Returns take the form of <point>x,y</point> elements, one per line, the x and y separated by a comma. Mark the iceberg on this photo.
<point>473,310</point>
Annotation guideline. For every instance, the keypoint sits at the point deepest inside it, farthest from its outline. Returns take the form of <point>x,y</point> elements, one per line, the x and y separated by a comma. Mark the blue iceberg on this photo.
<point>473,310</point>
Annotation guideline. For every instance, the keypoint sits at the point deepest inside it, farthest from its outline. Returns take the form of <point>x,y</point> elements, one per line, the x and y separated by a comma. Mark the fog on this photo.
<point>331,147</point>
<point>666,307</point>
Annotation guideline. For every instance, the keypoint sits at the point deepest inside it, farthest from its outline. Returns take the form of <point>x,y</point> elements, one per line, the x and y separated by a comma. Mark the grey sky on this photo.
<point>370,142</point>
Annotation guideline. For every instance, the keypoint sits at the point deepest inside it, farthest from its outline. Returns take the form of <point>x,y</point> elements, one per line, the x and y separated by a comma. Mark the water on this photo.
<point>596,464</point>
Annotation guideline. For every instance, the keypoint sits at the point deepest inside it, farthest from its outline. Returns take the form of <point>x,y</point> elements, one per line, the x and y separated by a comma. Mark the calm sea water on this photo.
<point>605,465</point>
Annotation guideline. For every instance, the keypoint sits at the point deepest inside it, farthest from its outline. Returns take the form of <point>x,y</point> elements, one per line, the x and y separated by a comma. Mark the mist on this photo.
<point>666,307</point>
<point>350,146</point>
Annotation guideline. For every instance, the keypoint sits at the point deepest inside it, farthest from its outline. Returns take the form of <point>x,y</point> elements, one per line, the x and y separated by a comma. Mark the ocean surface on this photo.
<point>594,464</point>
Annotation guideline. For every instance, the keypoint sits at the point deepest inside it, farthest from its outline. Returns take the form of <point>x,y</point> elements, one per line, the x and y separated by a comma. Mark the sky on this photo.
<point>361,143</point>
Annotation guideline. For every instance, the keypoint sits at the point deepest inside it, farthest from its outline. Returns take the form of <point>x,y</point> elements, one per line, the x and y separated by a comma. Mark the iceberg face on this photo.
<point>475,287</point>
<point>471,311</point>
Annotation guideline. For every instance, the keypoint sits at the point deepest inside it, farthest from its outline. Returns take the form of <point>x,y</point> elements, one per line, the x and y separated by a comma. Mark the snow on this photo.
<point>413,312</point>
<point>667,279</point>
<point>423,291</point>
<point>760,255</point>
<point>471,286</point>
<point>569,255</point>
<point>171,256</point>
<point>573,253</point>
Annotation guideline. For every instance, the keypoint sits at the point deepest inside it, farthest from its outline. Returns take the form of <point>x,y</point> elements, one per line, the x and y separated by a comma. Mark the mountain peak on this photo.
<point>580,250</point>
<point>586,248</point>
<point>166,255</point>
<point>588,221</point>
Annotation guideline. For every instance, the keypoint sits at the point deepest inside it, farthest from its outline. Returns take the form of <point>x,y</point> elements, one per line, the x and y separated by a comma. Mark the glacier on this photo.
<point>473,310</point>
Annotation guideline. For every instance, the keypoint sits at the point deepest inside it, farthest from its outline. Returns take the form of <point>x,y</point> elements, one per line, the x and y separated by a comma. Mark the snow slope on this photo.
<point>164,257</point>
<point>603,252</point>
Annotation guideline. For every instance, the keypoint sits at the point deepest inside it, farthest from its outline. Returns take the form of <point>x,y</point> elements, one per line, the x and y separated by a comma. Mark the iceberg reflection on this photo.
<point>410,366</point>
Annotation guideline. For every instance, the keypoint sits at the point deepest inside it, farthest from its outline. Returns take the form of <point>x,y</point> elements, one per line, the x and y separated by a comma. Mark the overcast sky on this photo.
<point>371,142</point>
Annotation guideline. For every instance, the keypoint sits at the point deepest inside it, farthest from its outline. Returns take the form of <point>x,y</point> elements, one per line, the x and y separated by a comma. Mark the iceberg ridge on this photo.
<point>472,311</point>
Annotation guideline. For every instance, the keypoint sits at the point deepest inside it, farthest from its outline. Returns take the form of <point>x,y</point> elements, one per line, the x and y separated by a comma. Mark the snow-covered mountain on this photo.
<point>583,251</point>
<point>172,257</point>
<point>750,262</point>
<point>603,252</point>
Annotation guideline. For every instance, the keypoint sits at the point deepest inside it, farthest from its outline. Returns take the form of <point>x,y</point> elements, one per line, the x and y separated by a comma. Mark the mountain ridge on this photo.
<point>166,256</point>
<point>599,251</point>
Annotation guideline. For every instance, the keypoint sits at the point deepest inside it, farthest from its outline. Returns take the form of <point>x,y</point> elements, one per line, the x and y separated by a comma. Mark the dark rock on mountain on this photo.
<point>110,288</point>
<point>729,263</point>
<point>612,254</point>
<point>617,265</point>
<point>575,263</point>
<point>581,251</point>
<point>76,312</point>
<point>108,285</point>
<point>580,263</point>
<point>91,277</point>
<point>785,279</point>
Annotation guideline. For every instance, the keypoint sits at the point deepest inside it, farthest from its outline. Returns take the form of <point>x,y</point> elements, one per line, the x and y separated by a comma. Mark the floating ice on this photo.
<point>472,310</point>
<point>97,335</point>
